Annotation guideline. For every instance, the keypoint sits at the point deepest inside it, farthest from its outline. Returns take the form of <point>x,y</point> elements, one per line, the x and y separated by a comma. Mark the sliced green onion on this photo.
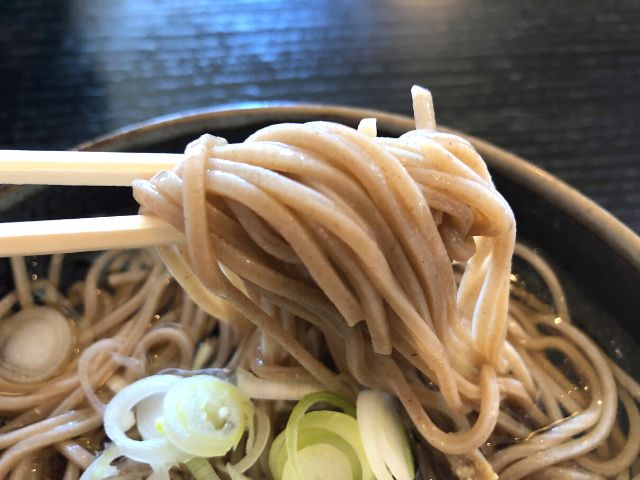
<point>383,436</point>
<point>255,446</point>
<point>320,444</point>
<point>101,467</point>
<point>160,471</point>
<point>182,420</point>
<point>148,415</point>
<point>118,419</point>
<point>255,387</point>
<point>201,469</point>
<point>291,432</point>
<point>235,474</point>
<point>205,416</point>
<point>321,461</point>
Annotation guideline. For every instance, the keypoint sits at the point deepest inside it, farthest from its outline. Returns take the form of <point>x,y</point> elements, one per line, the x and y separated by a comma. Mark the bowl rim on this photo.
<point>624,241</point>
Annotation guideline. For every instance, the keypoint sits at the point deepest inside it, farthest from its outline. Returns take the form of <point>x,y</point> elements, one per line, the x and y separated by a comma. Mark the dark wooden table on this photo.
<point>557,82</point>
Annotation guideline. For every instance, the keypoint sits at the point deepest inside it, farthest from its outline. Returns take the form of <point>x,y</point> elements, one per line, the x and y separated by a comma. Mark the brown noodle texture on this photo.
<point>320,256</point>
<point>355,237</point>
<point>131,320</point>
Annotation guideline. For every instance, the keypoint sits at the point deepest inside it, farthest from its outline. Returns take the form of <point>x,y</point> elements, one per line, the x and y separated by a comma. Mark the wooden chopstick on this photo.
<point>22,167</point>
<point>85,234</point>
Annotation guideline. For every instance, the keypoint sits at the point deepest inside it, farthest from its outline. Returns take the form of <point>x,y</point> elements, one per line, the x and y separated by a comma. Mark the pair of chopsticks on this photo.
<point>20,167</point>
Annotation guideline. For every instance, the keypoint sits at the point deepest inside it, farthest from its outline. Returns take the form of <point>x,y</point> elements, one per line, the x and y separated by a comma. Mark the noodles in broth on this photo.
<point>323,258</point>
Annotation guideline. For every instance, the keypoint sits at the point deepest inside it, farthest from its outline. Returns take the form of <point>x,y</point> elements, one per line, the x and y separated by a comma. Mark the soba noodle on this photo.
<point>319,257</point>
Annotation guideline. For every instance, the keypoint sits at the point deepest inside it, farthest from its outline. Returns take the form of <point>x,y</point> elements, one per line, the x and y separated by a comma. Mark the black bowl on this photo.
<point>596,257</point>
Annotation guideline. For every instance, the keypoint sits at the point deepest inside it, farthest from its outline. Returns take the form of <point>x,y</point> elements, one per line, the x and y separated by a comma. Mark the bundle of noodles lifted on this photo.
<point>353,293</point>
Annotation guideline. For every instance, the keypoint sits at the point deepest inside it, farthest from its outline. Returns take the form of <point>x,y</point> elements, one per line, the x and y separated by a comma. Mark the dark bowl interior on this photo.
<point>601,285</point>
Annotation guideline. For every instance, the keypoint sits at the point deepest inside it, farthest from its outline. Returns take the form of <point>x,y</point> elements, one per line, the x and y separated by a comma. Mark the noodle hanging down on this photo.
<point>321,257</point>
